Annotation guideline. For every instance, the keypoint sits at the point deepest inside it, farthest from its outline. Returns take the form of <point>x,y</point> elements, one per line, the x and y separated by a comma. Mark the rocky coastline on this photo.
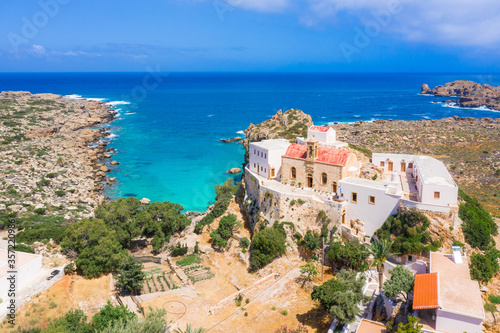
<point>470,94</point>
<point>53,159</point>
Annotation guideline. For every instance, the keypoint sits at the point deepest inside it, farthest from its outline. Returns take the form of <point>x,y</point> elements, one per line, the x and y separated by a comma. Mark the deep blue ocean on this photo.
<point>167,131</point>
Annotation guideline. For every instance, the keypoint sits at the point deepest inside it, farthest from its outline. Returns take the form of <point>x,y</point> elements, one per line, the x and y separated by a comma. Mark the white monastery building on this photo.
<point>265,157</point>
<point>410,181</point>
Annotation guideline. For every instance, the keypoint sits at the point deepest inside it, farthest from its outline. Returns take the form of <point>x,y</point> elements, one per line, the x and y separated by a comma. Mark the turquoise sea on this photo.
<point>169,124</point>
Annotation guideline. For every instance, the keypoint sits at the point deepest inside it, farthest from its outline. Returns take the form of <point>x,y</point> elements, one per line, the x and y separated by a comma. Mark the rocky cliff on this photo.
<point>287,125</point>
<point>50,154</point>
<point>470,94</point>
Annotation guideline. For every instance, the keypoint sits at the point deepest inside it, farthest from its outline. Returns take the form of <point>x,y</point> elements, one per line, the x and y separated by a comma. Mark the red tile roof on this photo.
<point>325,155</point>
<point>425,295</point>
<point>319,128</point>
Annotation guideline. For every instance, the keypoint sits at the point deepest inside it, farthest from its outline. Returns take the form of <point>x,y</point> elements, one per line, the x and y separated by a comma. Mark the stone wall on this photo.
<point>263,201</point>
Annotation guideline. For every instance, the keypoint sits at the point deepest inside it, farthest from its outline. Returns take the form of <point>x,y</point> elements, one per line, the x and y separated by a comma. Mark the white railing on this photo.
<point>424,206</point>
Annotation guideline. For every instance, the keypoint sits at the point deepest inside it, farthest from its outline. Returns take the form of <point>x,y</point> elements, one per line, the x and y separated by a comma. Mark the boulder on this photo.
<point>145,201</point>
<point>104,168</point>
<point>238,138</point>
<point>3,207</point>
<point>112,179</point>
<point>424,89</point>
<point>16,208</point>
<point>114,162</point>
<point>234,170</point>
<point>38,132</point>
<point>40,206</point>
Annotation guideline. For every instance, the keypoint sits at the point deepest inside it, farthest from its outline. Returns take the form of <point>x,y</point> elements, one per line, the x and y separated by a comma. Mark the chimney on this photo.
<point>457,255</point>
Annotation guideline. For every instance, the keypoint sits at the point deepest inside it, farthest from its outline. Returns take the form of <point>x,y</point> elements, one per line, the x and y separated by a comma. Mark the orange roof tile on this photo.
<point>325,155</point>
<point>425,295</point>
<point>319,128</point>
<point>368,326</point>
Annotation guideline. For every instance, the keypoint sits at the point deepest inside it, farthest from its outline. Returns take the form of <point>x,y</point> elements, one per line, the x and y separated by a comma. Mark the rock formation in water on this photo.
<point>470,94</point>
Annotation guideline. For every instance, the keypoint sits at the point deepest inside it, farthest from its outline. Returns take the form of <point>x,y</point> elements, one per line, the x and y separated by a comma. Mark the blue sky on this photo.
<point>250,35</point>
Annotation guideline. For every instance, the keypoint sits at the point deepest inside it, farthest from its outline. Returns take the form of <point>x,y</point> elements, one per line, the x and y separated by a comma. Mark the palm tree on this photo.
<point>380,251</point>
<point>190,329</point>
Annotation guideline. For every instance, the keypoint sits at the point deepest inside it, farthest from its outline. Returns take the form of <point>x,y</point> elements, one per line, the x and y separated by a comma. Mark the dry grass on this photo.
<point>68,293</point>
<point>38,312</point>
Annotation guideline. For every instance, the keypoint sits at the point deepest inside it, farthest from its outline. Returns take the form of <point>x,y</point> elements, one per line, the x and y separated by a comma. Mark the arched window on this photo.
<point>324,178</point>
<point>293,173</point>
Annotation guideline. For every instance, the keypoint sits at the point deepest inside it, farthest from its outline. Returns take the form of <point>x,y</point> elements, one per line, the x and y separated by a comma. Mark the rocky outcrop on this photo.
<point>41,132</point>
<point>49,153</point>
<point>145,201</point>
<point>234,170</point>
<point>424,89</point>
<point>288,125</point>
<point>238,138</point>
<point>470,94</point>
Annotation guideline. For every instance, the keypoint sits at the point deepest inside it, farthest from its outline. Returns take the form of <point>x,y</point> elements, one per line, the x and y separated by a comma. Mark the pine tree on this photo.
<point>130,275</point>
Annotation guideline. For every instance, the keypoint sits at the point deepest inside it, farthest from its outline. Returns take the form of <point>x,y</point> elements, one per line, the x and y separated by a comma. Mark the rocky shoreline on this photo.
<point>53,160</point>
<point>471,94</point>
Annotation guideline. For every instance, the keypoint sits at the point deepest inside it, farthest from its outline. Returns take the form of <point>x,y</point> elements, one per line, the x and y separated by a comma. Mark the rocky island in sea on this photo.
<point>471,94</point>
<point>52,158</point>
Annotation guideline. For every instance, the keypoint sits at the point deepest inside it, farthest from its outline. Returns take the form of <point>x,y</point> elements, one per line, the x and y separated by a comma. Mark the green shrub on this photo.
<point>408,230</point>
<point>60,193</point>
<point>238,300</point>
<point>483,267</point>
<point>267,244</point>
<point>227,225</point>
<point>494,299</point>
<point>40,211</point>
<point>178,250</point>
<point>23,248</point>
<point>311,241</point>
<point>365,151</point>
<point>478,226</point>
<point>244,243</point>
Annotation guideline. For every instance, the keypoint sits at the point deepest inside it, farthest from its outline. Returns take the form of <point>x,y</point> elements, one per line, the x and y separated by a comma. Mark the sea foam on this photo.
<point>113,103</point>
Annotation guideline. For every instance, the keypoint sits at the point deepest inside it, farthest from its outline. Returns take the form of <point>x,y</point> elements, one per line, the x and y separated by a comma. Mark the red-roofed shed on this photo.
<point>425,295</point>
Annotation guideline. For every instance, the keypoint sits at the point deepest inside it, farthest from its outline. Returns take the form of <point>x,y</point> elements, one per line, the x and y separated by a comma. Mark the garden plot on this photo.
<point>159,280</point>
<point>194,270</point>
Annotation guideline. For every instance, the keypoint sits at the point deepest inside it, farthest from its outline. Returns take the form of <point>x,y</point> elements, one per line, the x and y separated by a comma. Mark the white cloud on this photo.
<point>260,5</point>
<point>444,22</point>
<point>38,49</point>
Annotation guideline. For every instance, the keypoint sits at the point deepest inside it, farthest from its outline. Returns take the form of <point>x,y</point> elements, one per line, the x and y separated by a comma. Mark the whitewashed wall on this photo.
<point>373,215</point>
<point>323,137</point>
<point>453,322</point>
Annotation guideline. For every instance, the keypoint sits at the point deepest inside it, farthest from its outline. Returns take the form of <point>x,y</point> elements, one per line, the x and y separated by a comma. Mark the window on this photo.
<point>261,168</point>
<point>261,154</point>
<point>354,197</point>
<point>382,163</point>
<point>371,199</point>
<point>436,195</point>
<point>324,178</point>
<point>254,165</point>
<point>293,173</point>
<point>254,152</point>
<point>410,165</point>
